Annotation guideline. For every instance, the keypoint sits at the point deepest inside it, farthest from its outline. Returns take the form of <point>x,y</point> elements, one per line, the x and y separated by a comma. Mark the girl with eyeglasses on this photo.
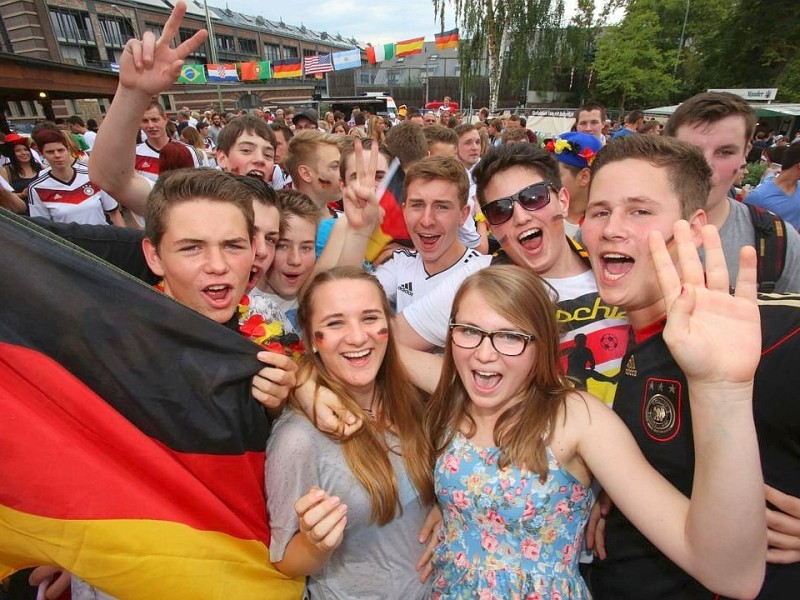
<point>516,447</point>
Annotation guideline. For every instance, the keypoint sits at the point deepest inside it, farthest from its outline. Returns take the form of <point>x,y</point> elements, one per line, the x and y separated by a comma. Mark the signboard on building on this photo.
<point>752,94</point>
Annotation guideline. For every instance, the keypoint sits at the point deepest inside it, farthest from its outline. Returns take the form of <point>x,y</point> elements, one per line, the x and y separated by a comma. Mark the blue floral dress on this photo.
<point>506,535</point>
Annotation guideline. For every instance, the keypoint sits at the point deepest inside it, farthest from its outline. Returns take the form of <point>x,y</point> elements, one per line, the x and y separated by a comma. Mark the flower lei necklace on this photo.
<point>269,335</point>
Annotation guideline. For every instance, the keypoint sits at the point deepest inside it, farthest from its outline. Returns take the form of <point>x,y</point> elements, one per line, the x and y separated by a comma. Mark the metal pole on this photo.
<point>213,46</point>
<point>680,44</point>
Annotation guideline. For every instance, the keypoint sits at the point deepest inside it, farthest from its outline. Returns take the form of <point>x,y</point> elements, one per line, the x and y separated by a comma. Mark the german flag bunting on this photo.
<point>393,226</point>
<point>133,454</point>
<point>447,39</point>
<point>289,67</point>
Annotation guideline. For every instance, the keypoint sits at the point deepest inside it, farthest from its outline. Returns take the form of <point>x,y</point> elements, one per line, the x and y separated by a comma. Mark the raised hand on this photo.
<point>714,336</point>
<point>361,203</point>
<point>150,65</point>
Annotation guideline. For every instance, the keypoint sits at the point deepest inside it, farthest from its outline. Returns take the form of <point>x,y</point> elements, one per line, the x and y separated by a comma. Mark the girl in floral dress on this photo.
<point>516,448</point>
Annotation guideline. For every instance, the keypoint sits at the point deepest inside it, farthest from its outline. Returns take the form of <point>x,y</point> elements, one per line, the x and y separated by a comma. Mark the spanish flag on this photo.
<point>447,39</point>
<point>408,47</point>
<point>290,67</point>
<point>132,452</point>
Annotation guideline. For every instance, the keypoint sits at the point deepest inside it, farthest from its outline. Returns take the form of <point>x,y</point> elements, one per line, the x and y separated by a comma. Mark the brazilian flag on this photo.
<point>192,74</point>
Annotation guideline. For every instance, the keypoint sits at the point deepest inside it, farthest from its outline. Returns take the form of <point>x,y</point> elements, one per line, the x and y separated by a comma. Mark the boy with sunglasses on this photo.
<point>520,193</point>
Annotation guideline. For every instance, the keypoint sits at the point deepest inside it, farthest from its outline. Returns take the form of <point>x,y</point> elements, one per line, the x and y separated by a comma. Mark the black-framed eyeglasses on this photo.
<point>533,197</point>
<point>508,343</point>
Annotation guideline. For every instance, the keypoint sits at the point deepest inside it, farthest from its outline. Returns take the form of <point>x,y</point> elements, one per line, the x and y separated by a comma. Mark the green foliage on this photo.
<point>755,171</point>
<point>503,31</point>
<point>631,68</point>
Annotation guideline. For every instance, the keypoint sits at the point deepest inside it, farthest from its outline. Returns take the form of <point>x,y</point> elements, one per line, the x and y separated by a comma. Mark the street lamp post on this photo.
<point>212,44</point>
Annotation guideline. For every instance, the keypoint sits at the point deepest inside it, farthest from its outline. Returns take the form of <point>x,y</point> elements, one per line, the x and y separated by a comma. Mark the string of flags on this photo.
<point>316,65</point>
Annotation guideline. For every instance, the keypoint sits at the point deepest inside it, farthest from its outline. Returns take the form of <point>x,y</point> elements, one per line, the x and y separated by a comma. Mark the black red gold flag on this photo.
<point>446,39</point>
<point>132,453</point>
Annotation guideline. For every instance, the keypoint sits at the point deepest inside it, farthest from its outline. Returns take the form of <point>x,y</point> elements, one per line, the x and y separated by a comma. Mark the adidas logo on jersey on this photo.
<point>145,165</point>
<point>407,288</point>
<point>57,197</point>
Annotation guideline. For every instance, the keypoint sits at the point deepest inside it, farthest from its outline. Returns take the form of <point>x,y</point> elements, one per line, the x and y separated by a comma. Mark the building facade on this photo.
<point>93,33</point>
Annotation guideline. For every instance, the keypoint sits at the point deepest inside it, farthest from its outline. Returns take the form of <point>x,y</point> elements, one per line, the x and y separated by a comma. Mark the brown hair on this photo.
<point>192,137</point>
<point>436,134</point>
<point>591,107</point>
<point>688,172</point>
<point>710,107</point>
<point>399,402</point>
<point>508,156</point>
<point>524,430</point>
<point>445,168</point>
<point>514,135</point>
<point>236,127</point>
<point>188,185</point>
<point>407,142</point>
<point>292,203</point>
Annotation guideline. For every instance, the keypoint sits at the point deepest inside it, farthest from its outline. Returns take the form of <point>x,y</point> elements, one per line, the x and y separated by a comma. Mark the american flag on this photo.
<point>319,63</point>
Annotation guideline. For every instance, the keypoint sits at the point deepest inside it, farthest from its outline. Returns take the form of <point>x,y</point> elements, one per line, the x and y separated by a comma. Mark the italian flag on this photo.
<point>379,53</point>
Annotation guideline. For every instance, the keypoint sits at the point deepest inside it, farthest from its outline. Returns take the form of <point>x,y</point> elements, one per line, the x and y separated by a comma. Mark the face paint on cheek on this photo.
<point>556,218</point>
<point>383,333</point>
<point>326,183</point>
<point>319,337</point>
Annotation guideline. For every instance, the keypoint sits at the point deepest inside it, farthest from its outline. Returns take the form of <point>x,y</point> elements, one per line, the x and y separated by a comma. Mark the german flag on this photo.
<point>447,39</point>
<point>132,453</point>
<point>393,226</point>
<point>290,67</point>
<point>409,47</point>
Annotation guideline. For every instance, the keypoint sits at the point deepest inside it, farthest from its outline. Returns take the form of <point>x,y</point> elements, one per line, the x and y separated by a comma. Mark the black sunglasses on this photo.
<point>533,197</point>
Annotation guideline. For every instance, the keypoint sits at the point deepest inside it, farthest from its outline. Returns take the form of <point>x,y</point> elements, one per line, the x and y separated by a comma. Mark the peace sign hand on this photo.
<point>150,65</point>
<point>361,203</point>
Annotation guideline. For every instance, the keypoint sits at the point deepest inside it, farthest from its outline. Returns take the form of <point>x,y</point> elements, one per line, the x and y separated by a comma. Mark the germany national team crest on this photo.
<point>88,189</point>
<point>661,409</point>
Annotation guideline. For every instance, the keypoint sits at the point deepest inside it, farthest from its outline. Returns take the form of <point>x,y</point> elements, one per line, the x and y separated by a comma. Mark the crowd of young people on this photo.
<point>472,471</point>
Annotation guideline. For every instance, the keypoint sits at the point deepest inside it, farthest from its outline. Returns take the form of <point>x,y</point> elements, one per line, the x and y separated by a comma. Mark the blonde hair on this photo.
<point>399,401</point>
<point>302,149</point>
<point>378,136</point>
<point>525,429</point>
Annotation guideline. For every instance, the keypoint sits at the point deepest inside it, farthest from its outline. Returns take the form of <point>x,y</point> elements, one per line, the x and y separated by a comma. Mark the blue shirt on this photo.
<point>771,197</point>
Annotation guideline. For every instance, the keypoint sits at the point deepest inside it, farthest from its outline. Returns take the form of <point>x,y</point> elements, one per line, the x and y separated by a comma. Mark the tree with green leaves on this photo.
<point>631,66</point>
<point>501,33</point>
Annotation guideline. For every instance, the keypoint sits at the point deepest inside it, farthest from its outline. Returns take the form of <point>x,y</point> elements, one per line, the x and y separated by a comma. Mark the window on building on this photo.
<point>116,31</point>
<point>71,26</point>
<point>433,57</point>
<point>272,52</point>
<point>225,43</point>
<point>248,46</point>
<point>290,52</point>
<point>310,52</point>
<point>365,79</point>
<point>184,34</point>
<point>394,76</point>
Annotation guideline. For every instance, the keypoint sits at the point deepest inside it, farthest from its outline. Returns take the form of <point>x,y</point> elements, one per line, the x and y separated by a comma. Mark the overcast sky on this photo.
<point>373,21</point>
